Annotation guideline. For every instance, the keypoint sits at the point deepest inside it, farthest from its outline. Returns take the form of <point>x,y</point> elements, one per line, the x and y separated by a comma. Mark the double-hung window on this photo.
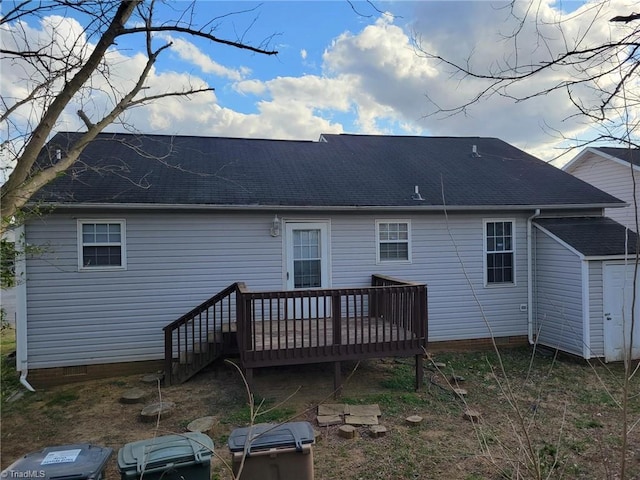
<point>499,252</point>
<point>394,240</point>
<point>101,244</point>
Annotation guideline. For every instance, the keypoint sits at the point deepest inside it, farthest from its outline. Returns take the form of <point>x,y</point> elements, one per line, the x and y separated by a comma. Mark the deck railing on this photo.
<point>198,337</point>
<point>323,325</point>
<point>299,326</point>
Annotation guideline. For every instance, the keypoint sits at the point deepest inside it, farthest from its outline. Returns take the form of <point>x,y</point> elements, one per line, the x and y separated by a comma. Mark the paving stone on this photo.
<point>377,431</point>
<point>332,409</point>
<point>134,395</point>
<point>457,379</point>
<point>472,415</point>
<point>150,412</point>
<point>364,410</point>
<point>439,364</point>
<point>202,424</point>
<point>461,392</point>
<point>361,419</point>
<point>153,377</point>
<point>347,431</point>
<point>328,420</point>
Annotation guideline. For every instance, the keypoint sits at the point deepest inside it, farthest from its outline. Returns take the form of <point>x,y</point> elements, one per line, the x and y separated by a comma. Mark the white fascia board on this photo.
<point>568,167</point>
<point>333,208</point>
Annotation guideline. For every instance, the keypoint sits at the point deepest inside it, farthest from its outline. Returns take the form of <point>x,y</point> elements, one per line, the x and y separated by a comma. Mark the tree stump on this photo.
<point>414,420</point>
<point>377,431</point>
<point>347,431</point>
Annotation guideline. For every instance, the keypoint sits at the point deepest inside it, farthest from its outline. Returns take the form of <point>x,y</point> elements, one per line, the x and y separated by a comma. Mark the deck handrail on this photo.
<point>198,335</point>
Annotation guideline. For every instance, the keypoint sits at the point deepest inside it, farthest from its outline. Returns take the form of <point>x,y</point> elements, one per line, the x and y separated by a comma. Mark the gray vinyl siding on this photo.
<point>614,179</point>
<point>176,261</point>
<point>454,313</point>
<point>558,296</point>
<point>596,307</point>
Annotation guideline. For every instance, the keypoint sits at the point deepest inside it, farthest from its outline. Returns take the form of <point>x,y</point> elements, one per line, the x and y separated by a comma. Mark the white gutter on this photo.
<point>21,308</point>
<point>530,277</point>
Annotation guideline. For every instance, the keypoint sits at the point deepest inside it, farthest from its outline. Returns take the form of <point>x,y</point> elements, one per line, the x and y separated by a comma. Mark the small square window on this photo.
<point>394,241</point>
<point>101,244</point>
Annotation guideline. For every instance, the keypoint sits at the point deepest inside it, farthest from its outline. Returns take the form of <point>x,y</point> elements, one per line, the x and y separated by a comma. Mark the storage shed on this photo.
<point>583,284</point>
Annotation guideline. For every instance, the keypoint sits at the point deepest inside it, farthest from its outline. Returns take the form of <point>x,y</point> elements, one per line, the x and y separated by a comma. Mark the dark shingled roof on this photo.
<point>591,236</point>
<point>628,155</point>
<point>338,171</point>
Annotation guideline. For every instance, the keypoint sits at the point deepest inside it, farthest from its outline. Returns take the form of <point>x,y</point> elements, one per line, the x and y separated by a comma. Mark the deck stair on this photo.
<point>197,339</point>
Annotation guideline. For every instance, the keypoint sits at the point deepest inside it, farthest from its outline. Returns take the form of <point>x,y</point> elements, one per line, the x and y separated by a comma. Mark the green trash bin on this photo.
<point>169,457</point>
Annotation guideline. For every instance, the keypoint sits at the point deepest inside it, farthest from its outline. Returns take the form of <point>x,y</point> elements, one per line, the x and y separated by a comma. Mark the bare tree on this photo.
<point>543,56</point>
<point>600,78</point>
<point>70,66</point>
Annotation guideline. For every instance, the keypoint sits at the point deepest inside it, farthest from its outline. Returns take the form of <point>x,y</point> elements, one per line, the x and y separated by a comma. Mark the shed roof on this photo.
<point>338,171</point>
<point>592,236</point>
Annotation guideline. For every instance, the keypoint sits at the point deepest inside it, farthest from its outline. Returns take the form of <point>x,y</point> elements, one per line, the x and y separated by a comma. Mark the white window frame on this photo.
<point>486,221</point>
<point>122,244</point>
<point>408,241</point>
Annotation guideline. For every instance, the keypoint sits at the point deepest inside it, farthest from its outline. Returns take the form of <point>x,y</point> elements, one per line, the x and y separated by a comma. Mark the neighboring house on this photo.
<point>144,228</point>
<point>613,170</point>
<point>8,294</point>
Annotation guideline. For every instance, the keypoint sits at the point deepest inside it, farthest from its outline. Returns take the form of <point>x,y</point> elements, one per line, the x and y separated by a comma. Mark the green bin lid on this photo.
<point>146,455</point>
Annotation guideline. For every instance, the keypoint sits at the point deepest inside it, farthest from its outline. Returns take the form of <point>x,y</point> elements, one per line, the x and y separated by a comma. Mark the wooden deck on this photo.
<point>388,318</point>
<point>283,334</point>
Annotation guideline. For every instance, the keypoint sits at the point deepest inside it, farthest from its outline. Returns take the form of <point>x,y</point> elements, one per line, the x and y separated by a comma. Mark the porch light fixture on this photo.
<point>275,227</point>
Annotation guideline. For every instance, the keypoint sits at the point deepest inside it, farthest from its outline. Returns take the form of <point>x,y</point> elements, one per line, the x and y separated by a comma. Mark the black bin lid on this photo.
<point>64,462</point>
<point>268,435</point>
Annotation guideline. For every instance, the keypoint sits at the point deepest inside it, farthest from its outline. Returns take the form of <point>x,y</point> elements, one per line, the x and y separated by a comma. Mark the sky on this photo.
<point>341,67</point>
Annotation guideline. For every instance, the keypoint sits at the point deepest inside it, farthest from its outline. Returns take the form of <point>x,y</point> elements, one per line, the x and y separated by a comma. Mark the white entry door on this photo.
<point>618,297</point>
<point>307,263</point>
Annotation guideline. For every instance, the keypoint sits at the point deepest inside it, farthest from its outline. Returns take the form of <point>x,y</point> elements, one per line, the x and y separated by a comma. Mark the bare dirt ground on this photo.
<point>553,420</point>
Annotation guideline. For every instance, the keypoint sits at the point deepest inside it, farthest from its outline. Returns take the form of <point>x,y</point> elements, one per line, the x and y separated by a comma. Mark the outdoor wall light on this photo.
<point>275,227</point>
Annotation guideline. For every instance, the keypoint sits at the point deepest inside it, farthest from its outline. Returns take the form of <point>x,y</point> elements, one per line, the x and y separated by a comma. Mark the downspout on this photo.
<point>530,277</point>
<point>21,308</point>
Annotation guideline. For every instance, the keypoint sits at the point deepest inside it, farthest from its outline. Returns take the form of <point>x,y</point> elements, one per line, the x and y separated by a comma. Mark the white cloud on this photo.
<point>303,54</point>
<point>187,51</point>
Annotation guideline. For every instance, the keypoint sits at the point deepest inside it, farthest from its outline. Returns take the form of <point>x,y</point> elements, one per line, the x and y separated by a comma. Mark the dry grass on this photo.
<point>572,422</point>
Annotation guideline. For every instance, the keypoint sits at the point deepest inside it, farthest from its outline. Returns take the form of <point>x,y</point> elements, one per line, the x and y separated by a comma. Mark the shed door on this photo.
<point>618,289</point>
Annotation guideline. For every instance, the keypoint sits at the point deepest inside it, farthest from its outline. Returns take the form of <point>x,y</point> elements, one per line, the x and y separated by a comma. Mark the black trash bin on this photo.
<point>77,462</point>
<point>273,452</point>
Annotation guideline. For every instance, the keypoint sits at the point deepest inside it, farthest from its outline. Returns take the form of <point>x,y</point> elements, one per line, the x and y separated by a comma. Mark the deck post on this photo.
<point>168,356</point>
<point>337,380</point>
<point>336,314</point>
